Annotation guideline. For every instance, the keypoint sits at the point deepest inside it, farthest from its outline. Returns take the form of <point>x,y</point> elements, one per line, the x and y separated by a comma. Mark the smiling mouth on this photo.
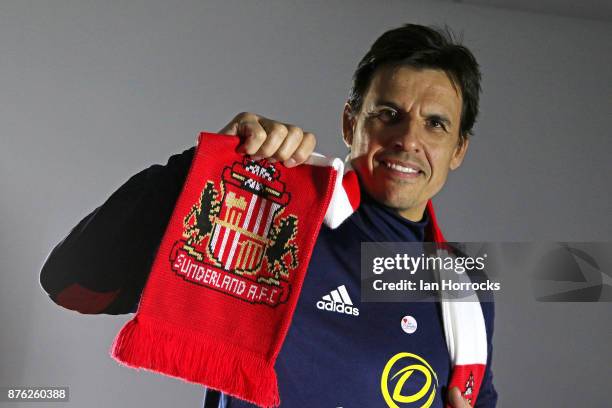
<point>408,170</point>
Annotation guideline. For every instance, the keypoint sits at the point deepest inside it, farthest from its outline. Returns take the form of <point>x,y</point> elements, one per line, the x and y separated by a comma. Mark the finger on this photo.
<point>303,152</point>
<point>290,144</point>
<point>456,400</point>
<point>276,134</point>
<point>253,135</point>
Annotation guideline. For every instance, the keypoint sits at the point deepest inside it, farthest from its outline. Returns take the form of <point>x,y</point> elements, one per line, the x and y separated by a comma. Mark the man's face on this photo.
<point>405,139</point>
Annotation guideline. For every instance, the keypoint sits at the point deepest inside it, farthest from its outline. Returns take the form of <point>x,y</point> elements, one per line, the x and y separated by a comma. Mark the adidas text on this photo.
<point>338,307</point>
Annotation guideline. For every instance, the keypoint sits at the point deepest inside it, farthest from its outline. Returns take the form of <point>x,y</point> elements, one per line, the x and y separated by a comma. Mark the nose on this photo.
<point>408,138</point>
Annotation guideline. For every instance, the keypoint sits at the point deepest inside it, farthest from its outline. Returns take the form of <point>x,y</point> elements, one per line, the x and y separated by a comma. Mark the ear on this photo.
<point>459,154</point>
<point>348,122</point>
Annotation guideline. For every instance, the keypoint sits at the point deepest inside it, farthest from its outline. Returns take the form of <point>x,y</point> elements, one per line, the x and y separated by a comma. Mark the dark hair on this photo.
<point>423,47</point>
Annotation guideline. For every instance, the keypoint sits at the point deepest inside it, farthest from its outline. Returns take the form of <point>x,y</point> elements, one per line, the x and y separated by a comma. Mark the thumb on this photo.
<point>230,129</point>
<point>456,400</point>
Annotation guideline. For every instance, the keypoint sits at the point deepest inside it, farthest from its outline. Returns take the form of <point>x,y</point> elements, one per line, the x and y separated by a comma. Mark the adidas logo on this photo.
<point>338,301</point>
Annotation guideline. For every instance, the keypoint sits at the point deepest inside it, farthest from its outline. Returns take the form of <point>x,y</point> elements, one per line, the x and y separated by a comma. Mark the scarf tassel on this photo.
<point>176,352</point>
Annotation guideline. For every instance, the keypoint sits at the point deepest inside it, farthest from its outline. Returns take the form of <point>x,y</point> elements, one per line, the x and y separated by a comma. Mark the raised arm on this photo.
<point>102,264</point>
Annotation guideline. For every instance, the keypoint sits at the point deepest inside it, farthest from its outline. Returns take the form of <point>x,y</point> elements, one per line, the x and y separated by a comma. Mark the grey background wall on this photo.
<point>94,91</point>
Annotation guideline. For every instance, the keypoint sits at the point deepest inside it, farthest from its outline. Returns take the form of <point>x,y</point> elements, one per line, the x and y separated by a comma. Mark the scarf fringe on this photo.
<point>187,355</point>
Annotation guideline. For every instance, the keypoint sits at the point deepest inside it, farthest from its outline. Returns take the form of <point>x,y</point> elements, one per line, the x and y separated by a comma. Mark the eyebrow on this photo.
<point>431,116</point>
<point>387,103</point>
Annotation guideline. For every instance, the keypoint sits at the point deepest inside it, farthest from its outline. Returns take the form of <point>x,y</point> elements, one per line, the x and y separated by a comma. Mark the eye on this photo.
<point>437,124</point>
<point>387,115</point>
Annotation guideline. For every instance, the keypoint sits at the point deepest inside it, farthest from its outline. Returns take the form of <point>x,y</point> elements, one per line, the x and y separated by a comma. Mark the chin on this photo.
<point>394,200</point>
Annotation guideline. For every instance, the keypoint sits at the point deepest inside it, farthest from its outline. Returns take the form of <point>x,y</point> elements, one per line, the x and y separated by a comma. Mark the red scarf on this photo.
<point>227,275</point>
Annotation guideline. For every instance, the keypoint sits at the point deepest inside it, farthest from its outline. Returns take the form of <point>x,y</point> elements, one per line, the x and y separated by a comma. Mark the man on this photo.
<point>407,123</point>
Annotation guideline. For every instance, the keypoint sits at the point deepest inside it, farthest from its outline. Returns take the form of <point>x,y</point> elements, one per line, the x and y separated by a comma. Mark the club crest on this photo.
<point>468,389</point>
<point>236,240</point>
